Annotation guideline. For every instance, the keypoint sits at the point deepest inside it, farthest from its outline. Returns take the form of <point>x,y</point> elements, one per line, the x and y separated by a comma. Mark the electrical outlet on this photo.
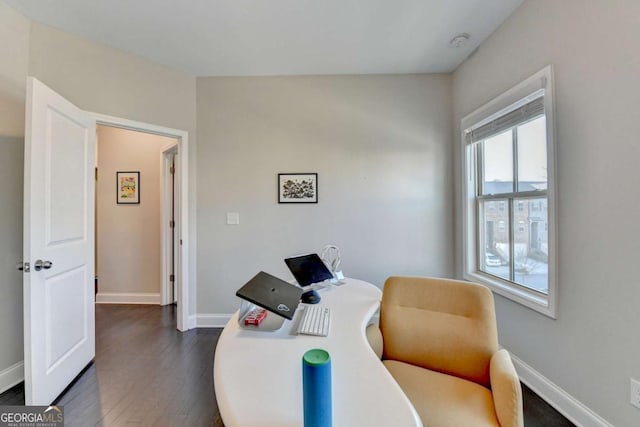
<point>635,392</point>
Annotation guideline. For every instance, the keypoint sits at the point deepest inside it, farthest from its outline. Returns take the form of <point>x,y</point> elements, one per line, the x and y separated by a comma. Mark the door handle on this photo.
<point>39,265</point>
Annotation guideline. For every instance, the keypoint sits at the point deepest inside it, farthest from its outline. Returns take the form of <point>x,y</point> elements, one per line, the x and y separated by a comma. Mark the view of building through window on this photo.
<point>513,210</point>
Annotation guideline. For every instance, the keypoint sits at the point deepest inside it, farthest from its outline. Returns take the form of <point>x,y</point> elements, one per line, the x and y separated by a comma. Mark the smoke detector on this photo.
<point>459,40</point>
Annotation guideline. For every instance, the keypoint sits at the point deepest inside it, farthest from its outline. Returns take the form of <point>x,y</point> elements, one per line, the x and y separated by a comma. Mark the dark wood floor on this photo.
<point>147,373</point>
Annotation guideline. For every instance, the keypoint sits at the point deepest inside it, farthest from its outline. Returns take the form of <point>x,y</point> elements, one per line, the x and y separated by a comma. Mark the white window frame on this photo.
<point>545,304</point>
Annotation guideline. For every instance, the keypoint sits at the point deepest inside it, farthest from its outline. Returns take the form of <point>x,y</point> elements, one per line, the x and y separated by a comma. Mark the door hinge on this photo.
<point>172,278</point>
<point>172,224</point>
<point>172,170</point>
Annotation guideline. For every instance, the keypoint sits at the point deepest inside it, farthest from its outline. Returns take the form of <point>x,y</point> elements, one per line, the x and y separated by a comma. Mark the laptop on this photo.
<point>271,293</point>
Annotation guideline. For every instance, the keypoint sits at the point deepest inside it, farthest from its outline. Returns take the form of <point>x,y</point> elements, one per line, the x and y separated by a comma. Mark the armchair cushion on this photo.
<point>444,400</point>
<point>439,324</point>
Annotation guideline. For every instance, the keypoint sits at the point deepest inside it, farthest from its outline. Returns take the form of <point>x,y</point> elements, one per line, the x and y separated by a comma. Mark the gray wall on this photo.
<point>382,148</point>
<point>14,60</point>
<point>14,34</point>
<point>592,348</point>
<point>11,182</point>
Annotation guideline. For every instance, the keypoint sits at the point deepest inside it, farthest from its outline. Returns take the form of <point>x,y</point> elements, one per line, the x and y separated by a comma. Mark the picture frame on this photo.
<point>128,187</point>
<point>298,187</point>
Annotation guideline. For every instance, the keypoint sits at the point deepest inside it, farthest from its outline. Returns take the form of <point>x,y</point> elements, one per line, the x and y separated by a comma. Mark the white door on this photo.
<point>59,316</point>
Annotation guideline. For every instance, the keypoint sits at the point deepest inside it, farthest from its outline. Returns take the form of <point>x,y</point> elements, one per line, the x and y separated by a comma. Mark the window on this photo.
<point>508,162</point>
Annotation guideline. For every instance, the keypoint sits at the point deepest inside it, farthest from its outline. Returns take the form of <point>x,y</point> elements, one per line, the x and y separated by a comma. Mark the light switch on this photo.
<point>233,218</point>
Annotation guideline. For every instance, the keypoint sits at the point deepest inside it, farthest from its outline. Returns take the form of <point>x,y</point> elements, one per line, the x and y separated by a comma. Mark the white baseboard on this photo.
<point>127,298</point>
<point>11,376</point>
<point>211,320</point>
<point>563,402</point>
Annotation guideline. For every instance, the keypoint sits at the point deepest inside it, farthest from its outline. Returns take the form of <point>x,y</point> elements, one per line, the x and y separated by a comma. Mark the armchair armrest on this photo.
<point>506,389</point>
<point>374,336</point>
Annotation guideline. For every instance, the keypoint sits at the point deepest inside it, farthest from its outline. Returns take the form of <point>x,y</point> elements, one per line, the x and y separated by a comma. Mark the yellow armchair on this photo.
<point>439,341</point>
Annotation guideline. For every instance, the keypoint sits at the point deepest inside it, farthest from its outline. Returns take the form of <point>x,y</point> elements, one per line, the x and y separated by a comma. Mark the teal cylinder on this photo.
<point>316,388</point>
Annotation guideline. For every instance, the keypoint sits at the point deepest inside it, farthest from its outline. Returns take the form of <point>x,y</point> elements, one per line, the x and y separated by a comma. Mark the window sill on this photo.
<point>530,299</point>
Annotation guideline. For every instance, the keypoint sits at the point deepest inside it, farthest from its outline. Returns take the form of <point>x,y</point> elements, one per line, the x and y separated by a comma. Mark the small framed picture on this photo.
<point>297,188</point>
<point>128,188</point>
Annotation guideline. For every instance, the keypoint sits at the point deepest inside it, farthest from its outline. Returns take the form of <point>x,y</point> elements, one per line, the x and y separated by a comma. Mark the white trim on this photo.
<point>545,305</point>
<point>193,321</point>
<point>203,320</point>
<point>127,298</point>
<point>563,402</point>
<point>539,80</point>
<point>11,376</point>
<point>505,288</point>
<point>182,136</point>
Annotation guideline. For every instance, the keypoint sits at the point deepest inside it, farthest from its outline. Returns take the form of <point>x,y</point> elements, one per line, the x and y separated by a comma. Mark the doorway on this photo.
<point>176,149</point>
<point>134,186</point>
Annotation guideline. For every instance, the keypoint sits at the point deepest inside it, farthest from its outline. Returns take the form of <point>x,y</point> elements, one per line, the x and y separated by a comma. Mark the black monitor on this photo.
<point>307,270</point>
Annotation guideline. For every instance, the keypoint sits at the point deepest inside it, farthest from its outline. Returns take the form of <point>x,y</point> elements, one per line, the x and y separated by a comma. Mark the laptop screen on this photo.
<point>308,269</point>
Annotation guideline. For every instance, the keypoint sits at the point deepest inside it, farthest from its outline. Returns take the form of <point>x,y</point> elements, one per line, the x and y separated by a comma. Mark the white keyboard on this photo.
<point>315,320</point>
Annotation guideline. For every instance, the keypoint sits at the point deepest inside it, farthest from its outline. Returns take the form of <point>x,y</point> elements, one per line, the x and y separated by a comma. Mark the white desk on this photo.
<point>258,375</point>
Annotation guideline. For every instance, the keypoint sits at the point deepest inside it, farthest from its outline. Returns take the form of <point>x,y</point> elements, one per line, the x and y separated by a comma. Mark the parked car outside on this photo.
<point>492,260</point>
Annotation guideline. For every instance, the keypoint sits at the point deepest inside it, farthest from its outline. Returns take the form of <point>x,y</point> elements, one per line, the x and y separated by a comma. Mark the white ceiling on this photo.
<point>281,37</point>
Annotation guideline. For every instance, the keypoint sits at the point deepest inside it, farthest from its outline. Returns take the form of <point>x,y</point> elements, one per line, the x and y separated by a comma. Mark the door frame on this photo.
<point>182,267</point>
<point>165,229</point>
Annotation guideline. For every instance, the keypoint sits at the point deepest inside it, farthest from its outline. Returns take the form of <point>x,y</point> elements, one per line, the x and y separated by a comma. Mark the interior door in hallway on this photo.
<point>59,316</point>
